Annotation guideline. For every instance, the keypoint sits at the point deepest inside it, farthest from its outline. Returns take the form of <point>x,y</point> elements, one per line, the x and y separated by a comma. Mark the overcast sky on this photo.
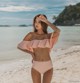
<point>15,12</point>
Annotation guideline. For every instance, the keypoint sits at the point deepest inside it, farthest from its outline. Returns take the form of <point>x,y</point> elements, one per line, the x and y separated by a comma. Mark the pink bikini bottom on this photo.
<point>42,66</point>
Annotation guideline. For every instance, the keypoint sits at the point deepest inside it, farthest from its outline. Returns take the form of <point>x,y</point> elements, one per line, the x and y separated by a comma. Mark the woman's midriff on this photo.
<point>41,54</point>
<point>42,59</point>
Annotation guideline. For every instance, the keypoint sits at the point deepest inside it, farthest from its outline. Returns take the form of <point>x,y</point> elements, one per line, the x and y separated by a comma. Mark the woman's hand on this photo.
<point>42,18</point>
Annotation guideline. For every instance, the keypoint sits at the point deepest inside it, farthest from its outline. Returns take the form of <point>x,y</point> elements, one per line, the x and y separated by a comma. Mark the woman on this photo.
<point>39,44</point>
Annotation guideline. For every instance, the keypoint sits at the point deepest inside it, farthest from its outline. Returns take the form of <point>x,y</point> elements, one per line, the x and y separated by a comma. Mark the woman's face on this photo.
<point>38,24</point>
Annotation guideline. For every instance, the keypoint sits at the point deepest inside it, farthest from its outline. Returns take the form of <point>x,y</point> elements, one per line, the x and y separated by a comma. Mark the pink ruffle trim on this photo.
<point>29,45</point>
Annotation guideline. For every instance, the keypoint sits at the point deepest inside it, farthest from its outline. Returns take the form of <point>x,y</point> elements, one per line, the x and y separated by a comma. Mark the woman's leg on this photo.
<point>36,76</point>
<point>47,76</point>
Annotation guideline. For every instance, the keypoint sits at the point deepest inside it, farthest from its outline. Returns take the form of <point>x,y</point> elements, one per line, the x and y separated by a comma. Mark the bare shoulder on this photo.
<point>28,36</point>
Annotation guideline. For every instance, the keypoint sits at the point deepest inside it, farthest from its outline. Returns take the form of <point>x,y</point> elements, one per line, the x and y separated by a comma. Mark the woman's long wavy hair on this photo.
<point>44,25</point>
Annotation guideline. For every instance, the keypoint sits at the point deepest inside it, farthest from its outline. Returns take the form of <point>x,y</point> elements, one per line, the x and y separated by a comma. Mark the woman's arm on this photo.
<point>27,51</point>
<point>56,29</point>
<point>24,50</point>
<point>21,44</point>
<point>53,35</point>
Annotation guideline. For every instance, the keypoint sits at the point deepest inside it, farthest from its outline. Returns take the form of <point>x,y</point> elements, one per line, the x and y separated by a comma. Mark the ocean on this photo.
<point>11,36</point>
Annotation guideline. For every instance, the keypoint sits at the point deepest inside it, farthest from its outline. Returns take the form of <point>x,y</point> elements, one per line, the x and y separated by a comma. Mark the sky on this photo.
<point>16,12</point>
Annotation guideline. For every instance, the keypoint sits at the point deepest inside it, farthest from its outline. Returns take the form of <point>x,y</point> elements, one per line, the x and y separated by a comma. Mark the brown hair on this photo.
<point>43,24</point>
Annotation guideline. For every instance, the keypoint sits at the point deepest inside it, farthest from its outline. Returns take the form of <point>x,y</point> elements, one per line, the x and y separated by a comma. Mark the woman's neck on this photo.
<point>40,32</point>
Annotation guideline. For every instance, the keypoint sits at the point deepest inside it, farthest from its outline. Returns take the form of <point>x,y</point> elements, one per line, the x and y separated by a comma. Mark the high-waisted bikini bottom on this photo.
<point>42,66</point>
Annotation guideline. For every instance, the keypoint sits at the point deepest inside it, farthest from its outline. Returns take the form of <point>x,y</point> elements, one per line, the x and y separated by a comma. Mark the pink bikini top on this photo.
<point>29,45</point>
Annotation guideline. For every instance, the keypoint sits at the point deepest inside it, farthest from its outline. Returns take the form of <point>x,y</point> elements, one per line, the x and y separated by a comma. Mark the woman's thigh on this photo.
<point>36,76</point>
<point>48,76</point>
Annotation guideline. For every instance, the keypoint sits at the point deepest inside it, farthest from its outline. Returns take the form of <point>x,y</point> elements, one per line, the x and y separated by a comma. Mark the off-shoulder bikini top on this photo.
<point>29,45</point>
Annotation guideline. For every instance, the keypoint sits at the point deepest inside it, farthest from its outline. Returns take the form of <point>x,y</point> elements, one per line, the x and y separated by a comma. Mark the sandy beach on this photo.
<point>66,63</point>
<point>17,20</point>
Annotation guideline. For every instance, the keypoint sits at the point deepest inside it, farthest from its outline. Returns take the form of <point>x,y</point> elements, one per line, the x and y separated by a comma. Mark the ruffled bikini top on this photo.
<point>29,45</point>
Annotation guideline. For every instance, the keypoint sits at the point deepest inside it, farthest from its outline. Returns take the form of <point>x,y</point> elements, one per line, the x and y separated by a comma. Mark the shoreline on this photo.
<point>65,62</point>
